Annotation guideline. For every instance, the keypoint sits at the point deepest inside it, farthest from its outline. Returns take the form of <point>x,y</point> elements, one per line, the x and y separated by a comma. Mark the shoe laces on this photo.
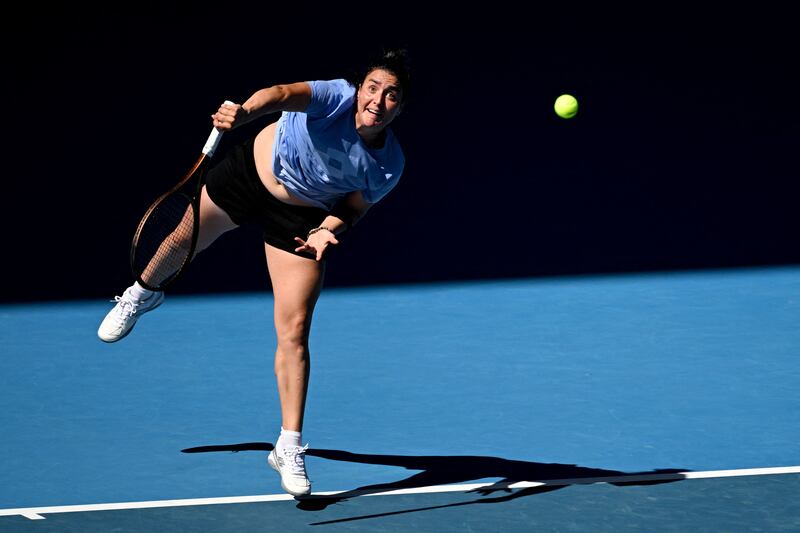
<point>126,306</point>
<point>295,459</point>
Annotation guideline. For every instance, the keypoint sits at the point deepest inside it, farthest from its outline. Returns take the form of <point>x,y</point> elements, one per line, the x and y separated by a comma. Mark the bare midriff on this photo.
<point>263,156</point>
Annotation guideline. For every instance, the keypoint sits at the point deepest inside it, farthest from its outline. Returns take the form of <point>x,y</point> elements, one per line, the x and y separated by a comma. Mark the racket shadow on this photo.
<point>452,469</point>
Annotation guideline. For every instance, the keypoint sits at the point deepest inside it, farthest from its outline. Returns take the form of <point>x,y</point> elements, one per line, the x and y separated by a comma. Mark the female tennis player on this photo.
<point>303,179</point>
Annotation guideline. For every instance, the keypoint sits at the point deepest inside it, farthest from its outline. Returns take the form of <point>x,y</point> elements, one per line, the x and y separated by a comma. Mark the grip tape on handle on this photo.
<point>213,139</point>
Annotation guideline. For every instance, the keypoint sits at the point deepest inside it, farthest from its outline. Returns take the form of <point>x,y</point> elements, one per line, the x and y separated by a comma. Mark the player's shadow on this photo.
<point>446,470</point>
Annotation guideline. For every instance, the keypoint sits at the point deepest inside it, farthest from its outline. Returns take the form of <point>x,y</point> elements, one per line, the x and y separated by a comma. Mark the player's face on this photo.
<point>378,100</point>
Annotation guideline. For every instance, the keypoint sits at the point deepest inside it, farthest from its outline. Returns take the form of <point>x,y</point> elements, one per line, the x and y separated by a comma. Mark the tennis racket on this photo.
<point>166,237</point>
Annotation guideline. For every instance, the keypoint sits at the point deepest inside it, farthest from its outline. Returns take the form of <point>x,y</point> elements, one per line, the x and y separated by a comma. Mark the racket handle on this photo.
<point>213,139</point>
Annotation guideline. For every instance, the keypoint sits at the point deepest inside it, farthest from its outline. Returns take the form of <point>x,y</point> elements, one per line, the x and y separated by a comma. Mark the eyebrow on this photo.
<point>391,87</point>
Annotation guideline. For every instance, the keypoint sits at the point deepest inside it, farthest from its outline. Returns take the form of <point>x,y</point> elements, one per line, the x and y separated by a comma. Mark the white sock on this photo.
<point>288,439</point>
<point>139,292</point>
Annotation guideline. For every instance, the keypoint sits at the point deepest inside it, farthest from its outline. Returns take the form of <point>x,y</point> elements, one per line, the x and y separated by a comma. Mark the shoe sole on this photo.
<point>109,341</point>
<point>275,467</point>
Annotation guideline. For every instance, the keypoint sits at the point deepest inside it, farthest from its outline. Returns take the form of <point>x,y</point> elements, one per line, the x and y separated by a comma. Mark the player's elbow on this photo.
<point>293,96</point>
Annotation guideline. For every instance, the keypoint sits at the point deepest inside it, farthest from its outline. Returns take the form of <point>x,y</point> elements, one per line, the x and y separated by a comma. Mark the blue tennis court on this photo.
<point>658,402</point>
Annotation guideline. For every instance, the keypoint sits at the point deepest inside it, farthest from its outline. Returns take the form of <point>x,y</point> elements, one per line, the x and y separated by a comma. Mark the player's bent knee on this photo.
<point>293,332</point>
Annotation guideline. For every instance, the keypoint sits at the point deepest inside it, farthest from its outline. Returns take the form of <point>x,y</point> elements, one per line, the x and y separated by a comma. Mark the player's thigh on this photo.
<point>214,221</point>
<point>296,285</point>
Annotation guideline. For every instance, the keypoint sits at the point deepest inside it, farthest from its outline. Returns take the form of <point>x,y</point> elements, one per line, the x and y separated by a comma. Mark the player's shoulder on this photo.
<point>330,96</point>
<point>337,86</point>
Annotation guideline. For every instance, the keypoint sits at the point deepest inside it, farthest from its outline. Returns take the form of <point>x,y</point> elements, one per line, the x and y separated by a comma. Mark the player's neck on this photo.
<point>373,140</point>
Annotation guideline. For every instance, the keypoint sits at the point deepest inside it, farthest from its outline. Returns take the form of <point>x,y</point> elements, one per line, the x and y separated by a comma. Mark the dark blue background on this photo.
<point>683,154</point>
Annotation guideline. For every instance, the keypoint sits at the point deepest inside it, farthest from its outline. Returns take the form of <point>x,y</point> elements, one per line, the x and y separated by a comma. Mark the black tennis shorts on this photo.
<point>233,184</point>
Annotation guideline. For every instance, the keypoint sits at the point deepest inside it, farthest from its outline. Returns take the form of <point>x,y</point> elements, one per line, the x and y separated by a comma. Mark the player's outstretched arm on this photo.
<point>285,97</point>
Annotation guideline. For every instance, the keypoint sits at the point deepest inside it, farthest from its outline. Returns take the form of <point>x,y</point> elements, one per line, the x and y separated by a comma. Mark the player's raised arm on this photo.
<point>284,97</point>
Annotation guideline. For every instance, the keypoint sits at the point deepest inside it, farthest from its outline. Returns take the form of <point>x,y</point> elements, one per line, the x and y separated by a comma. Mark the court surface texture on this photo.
<point>652,402</point>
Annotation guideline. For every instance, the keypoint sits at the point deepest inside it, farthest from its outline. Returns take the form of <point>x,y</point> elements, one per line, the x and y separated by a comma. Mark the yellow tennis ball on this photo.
<point>566,106</point>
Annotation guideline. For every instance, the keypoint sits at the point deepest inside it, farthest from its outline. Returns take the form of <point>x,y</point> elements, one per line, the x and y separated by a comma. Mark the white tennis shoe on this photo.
<point>291,465</point>
<point>121,319</point>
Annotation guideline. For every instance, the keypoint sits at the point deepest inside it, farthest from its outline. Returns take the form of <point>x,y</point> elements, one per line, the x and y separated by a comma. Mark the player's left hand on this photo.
<point>317,243</point>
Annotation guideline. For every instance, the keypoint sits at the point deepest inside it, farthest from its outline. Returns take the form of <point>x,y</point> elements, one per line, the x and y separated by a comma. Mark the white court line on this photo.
<point>35,513</point>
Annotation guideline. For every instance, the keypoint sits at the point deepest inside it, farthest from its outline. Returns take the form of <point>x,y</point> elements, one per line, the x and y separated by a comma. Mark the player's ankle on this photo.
<point>289,439</point>
<point>139,292</point>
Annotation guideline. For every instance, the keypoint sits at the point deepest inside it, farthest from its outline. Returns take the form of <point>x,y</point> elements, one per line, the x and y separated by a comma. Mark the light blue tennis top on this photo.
<point>319,156</point>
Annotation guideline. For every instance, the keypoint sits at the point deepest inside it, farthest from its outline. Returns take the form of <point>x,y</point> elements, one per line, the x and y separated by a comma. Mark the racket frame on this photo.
<point>201,166</point>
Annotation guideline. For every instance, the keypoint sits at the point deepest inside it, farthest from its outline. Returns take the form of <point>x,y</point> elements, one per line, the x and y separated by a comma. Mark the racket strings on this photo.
<point>164,242</point>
